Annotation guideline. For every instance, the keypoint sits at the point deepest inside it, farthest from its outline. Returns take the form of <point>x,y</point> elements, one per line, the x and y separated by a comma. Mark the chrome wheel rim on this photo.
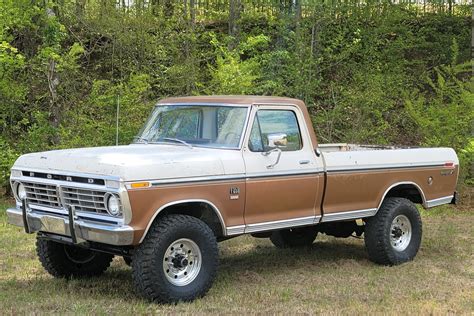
<point>182,262</point>
<point>400,233</point>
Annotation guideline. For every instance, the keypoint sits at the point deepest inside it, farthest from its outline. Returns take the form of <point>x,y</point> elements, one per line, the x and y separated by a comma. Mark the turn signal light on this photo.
<point>138,185</point>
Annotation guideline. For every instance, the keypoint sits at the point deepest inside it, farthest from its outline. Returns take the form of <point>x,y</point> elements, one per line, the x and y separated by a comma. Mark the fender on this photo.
<point>163,207</point>
<point>402,183</point>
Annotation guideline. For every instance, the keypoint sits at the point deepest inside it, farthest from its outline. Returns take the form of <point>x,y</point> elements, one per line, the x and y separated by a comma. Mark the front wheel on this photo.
<point>393,235</point>
<point>177,261</point>
<point>64,261</point>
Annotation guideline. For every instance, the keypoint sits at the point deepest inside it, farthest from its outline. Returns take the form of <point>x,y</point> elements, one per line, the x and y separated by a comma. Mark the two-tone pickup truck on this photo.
<point>205,169</point>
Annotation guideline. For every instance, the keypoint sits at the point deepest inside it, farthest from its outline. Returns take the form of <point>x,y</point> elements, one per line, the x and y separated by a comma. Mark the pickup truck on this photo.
<point>208,168</point>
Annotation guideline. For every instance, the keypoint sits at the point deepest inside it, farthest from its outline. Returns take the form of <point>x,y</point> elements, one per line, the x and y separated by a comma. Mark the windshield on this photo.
<point>195,125</point>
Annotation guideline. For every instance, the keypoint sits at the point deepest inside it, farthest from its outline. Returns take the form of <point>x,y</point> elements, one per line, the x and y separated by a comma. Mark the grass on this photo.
<point>334,276</point>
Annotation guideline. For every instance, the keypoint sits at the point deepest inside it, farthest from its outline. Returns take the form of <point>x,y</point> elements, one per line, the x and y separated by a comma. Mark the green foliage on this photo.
<point>446,115</point>
<point>373,73</point>
<point>7,159</point>
<point>231,74</point>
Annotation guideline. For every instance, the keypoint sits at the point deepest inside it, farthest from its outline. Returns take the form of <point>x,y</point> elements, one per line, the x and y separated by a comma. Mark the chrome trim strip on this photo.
<point>340,216</point>
<point>215,104</point>
<point>216,210</point>
<point>47,209</point>
<point>191,180</point>
<point>439,201</point>
<point>294,222</point>
<point>285,173</point>
<point>423,199</point>
<point>227,177</point>
<point>235,230</point>
<point>380,167</point>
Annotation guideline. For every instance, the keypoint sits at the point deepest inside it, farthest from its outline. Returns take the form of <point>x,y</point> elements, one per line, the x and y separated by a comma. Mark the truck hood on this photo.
<point>129,163</point>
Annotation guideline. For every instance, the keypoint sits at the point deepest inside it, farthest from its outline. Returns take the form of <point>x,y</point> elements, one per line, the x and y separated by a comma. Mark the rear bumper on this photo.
<point>85,230</point>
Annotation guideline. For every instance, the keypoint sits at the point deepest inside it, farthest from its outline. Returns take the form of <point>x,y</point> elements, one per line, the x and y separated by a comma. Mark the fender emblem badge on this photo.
<point>234,190</point>
<point>234,193</point>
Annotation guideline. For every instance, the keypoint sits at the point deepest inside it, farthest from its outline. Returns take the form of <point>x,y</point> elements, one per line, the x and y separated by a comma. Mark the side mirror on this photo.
<point>274,143</point>
<point>277,140</point>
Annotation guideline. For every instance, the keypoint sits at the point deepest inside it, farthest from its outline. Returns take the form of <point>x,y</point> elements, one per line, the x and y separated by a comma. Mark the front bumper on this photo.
<point>84,230</point>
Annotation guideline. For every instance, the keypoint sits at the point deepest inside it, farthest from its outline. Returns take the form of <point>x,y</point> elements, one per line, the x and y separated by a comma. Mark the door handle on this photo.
<point>304,162</point>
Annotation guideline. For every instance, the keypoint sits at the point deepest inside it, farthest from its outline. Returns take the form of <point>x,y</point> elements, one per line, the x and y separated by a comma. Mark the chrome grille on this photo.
<point>42,194</point>
<point>85,200</point>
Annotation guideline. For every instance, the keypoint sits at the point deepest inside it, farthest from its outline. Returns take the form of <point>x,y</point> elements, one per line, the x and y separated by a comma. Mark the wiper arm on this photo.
<point>178,141</point>
<point>143,139</point>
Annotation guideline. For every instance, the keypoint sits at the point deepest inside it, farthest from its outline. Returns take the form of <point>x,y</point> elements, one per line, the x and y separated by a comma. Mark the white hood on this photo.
<point>129,163</point>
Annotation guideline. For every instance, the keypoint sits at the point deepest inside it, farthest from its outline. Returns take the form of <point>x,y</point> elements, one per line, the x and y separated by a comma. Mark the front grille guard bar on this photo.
<point>25,218</point>
<point>71,209</point>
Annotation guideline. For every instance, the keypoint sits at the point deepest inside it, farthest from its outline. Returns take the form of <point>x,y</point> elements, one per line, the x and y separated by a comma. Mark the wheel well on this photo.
<point>407,190</point>
<point>202,210</point>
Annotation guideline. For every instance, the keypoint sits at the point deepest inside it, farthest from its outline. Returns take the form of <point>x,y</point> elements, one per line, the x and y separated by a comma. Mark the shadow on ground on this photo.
<point>237,259</point>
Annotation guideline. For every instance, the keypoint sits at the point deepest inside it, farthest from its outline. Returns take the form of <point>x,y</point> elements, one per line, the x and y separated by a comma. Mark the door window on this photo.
<point>271,124</point>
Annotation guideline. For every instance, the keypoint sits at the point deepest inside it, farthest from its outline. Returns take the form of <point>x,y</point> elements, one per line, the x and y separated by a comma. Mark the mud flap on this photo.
<point>455,198</point>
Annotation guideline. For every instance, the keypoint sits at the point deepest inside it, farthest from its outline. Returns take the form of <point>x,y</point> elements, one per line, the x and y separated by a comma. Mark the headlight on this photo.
<point>20,192</point>
<point>113,205</point>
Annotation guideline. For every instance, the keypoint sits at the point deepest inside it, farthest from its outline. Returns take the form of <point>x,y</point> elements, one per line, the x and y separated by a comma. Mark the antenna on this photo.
<point>117,121</point>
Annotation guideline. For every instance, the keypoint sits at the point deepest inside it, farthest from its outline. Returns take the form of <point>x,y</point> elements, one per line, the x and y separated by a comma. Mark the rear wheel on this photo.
<point>393,235</point>
<point>177,261</point>
<point>294,237</point>
<point>64,261</point>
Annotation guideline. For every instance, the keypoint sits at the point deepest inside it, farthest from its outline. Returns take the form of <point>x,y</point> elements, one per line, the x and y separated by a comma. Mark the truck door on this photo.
<point>283,175</point>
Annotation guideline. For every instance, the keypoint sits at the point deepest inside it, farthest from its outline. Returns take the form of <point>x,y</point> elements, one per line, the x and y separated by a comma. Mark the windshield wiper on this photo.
<point>141,139</point>
<point>178,141</point>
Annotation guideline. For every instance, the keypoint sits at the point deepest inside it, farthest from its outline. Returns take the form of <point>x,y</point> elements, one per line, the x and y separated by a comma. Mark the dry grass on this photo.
<point>334,277</point>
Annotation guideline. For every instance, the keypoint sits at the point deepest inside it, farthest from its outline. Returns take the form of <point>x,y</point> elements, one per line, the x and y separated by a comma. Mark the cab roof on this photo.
<point>234,99</point>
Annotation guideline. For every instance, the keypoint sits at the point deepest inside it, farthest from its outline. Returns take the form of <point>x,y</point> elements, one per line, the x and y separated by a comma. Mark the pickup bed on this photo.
<point>205,169</point>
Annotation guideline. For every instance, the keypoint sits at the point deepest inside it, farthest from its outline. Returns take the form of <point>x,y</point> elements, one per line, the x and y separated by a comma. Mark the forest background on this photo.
<point>378,72</point>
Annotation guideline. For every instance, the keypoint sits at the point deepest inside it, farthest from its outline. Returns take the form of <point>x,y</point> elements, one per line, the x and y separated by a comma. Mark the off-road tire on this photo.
<point>294,237</point>
<point>149,277</point>
<point>377,232</point>
<point>66,261</point>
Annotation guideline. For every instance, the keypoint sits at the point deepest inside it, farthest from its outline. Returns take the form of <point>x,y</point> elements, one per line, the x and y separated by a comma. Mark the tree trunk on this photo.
<point>53,83</point>
<point>297,7</point>
<point>235,8</point>
<point>192,9</point>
